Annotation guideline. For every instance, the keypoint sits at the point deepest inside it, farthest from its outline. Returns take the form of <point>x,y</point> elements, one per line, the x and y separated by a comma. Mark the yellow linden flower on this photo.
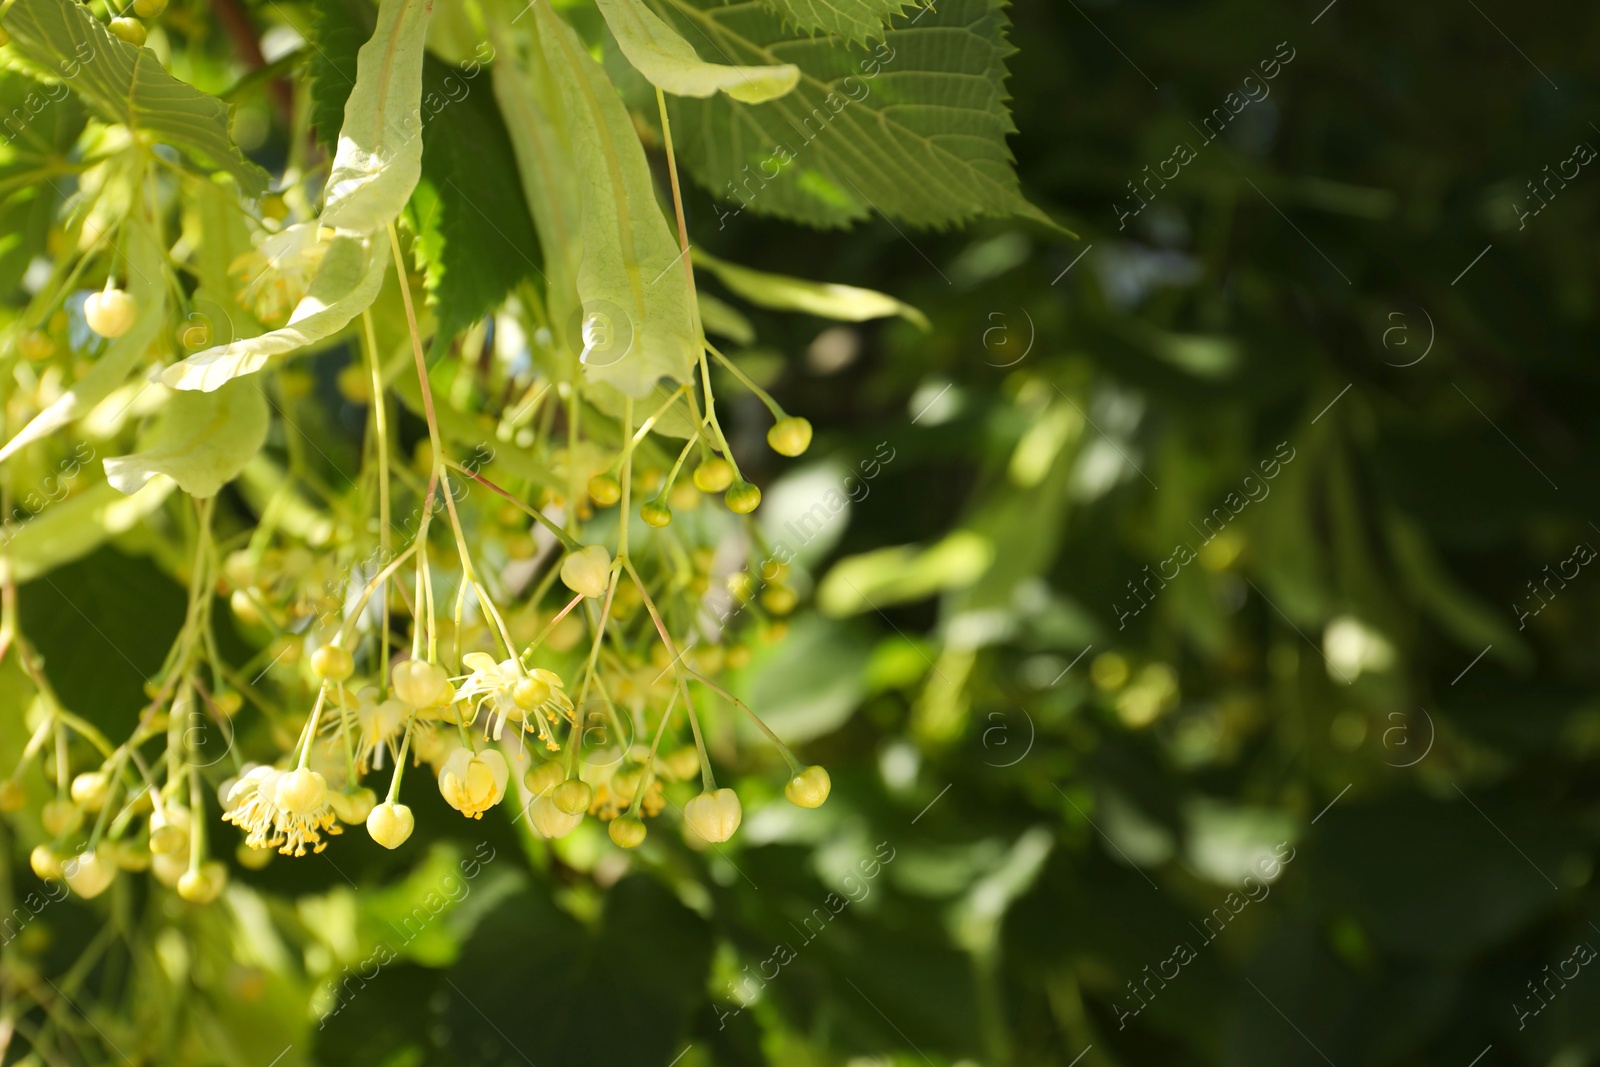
<point>378,727</point>
<point>505,692</point>
<point>253,807</point>
<point>274,277</point>
<point>473,782</point>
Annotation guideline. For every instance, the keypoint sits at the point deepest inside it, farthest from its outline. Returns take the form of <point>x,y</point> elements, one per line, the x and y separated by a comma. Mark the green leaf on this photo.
<point>914,129</point>
<point>657,51</point>
<point>338,30</point>
<point>475,239</point>
<point>77,526</point>
<point>904,573</point>
<point>200,440</point>
<point>846,303</point>
<point>636,315</point>
<point>147,285</point>
<point>128,85</point>
<point>861,21</point>
<point>379,157</point>
<point>345,286</point>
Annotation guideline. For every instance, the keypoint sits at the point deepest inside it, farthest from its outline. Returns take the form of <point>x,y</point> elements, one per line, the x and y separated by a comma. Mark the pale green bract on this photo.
<point>844,303</point>
<point>77,526</point>
<point>637,326</point>
<point>657,51</point>
<point>201,441</point>
<point>127,85</point>
<point>374,172</point>
<point>526,93</point>
<point>146,285</point>
<point>346,285</point>
<point>379,157</point>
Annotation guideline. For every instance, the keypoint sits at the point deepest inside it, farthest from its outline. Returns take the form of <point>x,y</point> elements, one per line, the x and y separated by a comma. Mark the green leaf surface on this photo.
<point>345,286</point>
<point>338,30</point>
<point>128,85</point>
<point>476,240</point>
<point>846,303</point>
<point>914,129</point>
<point>40,123</point>
<point>200,440</point>
<point>530,106</point>
<point>147,285</point>
<point>379,156</point>
<point>861,21</point>
<point>660,53</point>
<point>635,296</point>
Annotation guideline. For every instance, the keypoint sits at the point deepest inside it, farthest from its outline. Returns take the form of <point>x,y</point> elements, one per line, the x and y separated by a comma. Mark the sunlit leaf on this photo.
<point>862,21</point>
<point>128,85</point>
<point>914,128</point>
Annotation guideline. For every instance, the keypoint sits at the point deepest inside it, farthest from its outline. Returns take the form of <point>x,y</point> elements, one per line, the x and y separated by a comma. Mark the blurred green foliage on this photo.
<point>1369,669</point>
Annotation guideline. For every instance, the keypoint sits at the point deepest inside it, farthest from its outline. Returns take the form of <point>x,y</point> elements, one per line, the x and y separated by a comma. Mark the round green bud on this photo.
<point>790,436</point>
<point>714,475</point>
<point>742,498</point>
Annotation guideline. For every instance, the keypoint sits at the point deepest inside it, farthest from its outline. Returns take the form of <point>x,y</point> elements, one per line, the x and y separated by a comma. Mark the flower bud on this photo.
<point>656,514</point>
<point>352,806</point>
<point>89,790</point>
<point>60,817</point>
<point>604,490</point>
<point>390,824</point>
<point>13,797</point>
<point>228,702</point>
<point>779,599</point>
<point>88,874</point>
<point>550,820</point>
<point>36,346</point>
<point>204,885</point>
<point>790,436</point>
<point>45,861</point>
<point>587,571</point>
<point>742,498</point>
<point>627,831</point>
<point>572,796</point>
<point>543,777</point>
<point>253,859</point>
<point>714,816</point>
<point>332,663</point>
<point>169,831</point>
<point>421,684</point>
<point>714,475</point>
<point>132,31</point>
<point>301,792</point>
<point>809,788</point>
<point>149,9</point>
